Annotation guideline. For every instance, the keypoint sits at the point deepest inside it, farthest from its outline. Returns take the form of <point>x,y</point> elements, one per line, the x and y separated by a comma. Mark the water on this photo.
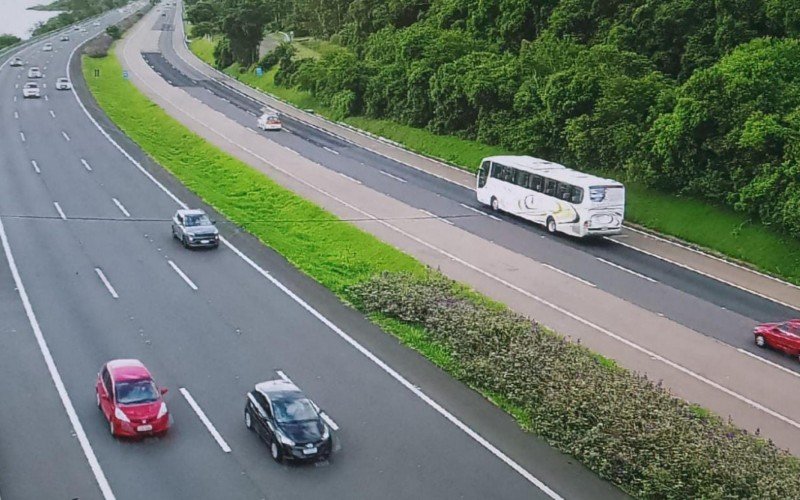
<point>15,19</point>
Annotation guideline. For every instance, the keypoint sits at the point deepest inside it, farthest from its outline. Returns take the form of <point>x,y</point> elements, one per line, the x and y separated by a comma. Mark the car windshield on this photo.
<point>31,85</point>
<point>293,410</point>
<point>136,392</point>
<point>197,220</point>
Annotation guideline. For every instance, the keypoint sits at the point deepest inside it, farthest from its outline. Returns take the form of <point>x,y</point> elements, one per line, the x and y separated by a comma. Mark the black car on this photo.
<point>288,422</point>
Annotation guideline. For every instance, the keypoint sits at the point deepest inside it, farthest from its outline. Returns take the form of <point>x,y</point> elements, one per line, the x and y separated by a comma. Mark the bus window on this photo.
<point>564,191</point>
<point>496,171</point>
<point>522,178</point>
<point>509,174</point>
<point>483,173</point>
<point>535,182</point>
<point>577,195</point>
<point>550,187</point>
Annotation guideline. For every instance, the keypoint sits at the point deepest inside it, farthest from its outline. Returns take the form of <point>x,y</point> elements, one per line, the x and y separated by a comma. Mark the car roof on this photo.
<point>191,211</point>
<point>31,84</point>
<point>276,387</point>
<point>127,369</point>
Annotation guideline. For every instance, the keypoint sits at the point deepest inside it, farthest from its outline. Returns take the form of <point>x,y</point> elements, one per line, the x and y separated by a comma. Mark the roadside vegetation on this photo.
<point>7,40</point>
<point>73,12</point>
<point>692,103</point>
<point>623,426</point>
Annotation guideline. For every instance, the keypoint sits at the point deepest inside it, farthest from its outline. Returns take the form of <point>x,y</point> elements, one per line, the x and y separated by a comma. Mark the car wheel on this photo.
<point>248,422</point>
<point>551,225</point>
<point>275,451</point>
<point>495,204</point>
<point>185,242</point>
<point>111,427</point>
<point>760,342</point>
<point>97,395</point>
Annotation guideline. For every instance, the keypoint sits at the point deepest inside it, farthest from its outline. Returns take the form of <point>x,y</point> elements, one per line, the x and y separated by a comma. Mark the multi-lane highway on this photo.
<point>688,325</point>
<point>89,272</point>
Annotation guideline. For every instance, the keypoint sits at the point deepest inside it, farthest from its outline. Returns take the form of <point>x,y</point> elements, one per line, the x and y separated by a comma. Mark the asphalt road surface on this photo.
<point>89,272</point>
<point>688,326</point>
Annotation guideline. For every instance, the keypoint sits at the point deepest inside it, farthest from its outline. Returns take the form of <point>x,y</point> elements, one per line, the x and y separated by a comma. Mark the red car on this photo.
<point>130,400</point>
<point>781,336</point>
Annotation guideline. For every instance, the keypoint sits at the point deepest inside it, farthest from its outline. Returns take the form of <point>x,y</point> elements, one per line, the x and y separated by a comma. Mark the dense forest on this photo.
<point>699,97</point>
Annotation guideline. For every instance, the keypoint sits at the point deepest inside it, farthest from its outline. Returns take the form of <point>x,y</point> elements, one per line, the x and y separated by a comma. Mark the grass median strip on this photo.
<point>547,384</point>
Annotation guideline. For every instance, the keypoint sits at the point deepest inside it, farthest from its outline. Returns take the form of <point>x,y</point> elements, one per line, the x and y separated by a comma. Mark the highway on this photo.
<point>685,325</point>
<point>89,272</point>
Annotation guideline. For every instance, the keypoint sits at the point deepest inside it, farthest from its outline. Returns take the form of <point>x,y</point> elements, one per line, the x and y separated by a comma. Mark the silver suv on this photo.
<point>193,228</point>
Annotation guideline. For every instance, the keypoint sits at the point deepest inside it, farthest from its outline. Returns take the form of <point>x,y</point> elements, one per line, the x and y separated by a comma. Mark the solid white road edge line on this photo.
<point>703,273</point>
<point>386,368</point>
<point>711,256</point>
<point>203,418</point>
<point>88,452</point>
<point>568,275</point>
<point>86,165</point>
<point>36,167</point>
<point>502,281</point>
<point>771,363</point>
<point>182,275</point>
<point>328,420</point>
<point>387,174</point>
<point>121,207</point>
<point>107,283</point>
<point>629,271</point>
<point>60,212</point>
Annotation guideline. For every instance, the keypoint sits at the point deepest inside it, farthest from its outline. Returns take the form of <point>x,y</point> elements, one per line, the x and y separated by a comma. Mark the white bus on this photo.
<point>553,195</point>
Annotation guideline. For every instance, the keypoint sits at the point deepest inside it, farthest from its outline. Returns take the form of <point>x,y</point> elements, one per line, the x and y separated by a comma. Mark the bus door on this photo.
<point>483,174</point>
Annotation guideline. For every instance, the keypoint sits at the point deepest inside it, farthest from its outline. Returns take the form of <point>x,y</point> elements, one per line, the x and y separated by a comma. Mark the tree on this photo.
<point>242,23</point>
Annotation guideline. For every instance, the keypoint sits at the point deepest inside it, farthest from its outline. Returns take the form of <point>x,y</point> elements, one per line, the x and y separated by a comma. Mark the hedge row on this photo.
<point>620,424</point>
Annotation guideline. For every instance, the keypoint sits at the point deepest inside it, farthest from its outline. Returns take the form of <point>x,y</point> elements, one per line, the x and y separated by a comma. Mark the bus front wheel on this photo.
<point>551,225</point>
<point>495,204</point>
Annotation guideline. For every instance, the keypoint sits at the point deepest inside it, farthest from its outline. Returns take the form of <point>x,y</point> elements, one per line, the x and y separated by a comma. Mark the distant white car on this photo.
<point>65,38</point>
<point>16,62</point>
<point>34,72</point>
<point>269,121</point>
<point>48,47</point>
<point>31,89</point>
<point>63,84</point>
<point>83,30</point>
<point>95,23</point>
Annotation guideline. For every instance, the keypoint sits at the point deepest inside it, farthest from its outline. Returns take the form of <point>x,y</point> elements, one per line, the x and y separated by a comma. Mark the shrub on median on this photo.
<point>618,423</point>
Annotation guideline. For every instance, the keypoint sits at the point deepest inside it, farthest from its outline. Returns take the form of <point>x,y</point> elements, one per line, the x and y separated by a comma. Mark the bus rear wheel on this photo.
<point>551,225</point>
<point>495,204</point>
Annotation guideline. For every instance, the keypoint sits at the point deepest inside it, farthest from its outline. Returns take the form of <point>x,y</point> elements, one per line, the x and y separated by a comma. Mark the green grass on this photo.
<point>334,253</point>
<point>203,48</point>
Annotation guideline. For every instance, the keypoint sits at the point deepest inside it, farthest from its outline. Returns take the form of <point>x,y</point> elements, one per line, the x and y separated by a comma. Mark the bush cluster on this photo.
<point>620,424</point>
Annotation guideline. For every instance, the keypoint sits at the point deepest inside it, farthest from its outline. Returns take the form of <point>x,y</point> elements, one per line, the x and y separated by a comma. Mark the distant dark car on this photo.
<point>783,336</point>
<point>16,62</point>
<point>193,228</point>
<point>289,422</point>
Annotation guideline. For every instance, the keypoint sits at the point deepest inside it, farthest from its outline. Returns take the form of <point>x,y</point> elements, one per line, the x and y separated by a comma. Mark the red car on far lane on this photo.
<point>130,400</point>
<point>783,336</point>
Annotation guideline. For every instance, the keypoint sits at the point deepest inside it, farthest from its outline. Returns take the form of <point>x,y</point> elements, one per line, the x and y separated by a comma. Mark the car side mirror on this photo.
<point>214,221</point>
<point>164,390</point>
